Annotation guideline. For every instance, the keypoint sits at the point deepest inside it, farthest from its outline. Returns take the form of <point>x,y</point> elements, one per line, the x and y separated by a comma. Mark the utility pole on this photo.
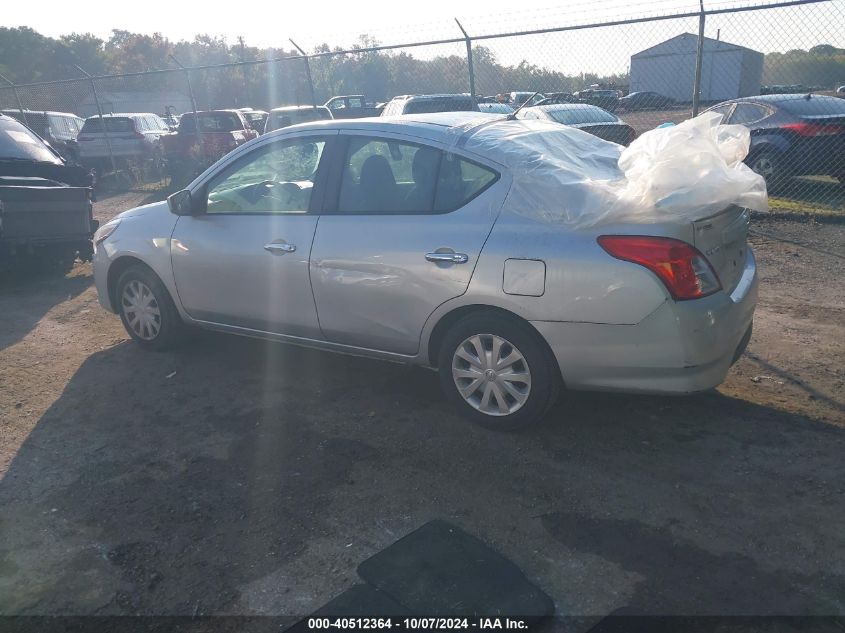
<point>193,105</point>
<point>468,41</point>
<point>102,121</point>
<point>696,89</point>
<point>307,71</point>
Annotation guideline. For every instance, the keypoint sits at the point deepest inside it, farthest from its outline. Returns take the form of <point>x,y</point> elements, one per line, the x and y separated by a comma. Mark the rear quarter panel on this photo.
<point>583,283</point>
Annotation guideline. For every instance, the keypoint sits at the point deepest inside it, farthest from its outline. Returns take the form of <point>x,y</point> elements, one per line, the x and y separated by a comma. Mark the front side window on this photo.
<point>278,178</point>
<point>384,176</point>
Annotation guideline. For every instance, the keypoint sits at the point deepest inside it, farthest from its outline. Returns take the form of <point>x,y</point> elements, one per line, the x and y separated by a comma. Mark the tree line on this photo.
<point>26,56</point>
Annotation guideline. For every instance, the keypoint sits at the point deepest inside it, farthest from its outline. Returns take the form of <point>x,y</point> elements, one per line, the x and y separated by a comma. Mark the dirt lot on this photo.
<point>234,476</point>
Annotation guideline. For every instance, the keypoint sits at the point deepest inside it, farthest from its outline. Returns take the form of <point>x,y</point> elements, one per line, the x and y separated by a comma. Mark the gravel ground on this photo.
<point>234,476</point>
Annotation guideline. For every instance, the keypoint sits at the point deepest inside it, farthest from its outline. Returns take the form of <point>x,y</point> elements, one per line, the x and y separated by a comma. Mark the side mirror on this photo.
<point>180,203</point>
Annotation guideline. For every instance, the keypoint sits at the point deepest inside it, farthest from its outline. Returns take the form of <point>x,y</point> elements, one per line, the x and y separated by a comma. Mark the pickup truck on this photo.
<point>352,107</point>
<point>188,153</point>
<point>46,211</point>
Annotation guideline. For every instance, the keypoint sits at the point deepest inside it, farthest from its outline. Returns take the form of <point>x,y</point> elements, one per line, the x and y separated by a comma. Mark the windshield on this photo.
<point>211,122</point>
<point>113,124</point>
<point>445,104</point>
<point>577,115</point>
<point>19,143</point>
<point>500,108</point>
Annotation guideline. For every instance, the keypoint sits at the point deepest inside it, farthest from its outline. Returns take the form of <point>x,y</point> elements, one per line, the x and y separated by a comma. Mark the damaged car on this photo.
<point>517,258</point>
<point>46,211</point>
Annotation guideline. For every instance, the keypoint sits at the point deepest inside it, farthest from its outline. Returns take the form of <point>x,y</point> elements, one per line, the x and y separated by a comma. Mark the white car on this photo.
<point>132,136</point>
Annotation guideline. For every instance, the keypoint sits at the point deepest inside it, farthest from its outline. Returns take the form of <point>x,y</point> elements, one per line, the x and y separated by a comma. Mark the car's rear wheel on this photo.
<point>769,166</point>
<point>498,372</point>
<point>146,309</point>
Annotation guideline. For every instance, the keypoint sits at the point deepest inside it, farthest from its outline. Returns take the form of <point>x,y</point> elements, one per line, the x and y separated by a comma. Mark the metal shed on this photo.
<point>728,70</point>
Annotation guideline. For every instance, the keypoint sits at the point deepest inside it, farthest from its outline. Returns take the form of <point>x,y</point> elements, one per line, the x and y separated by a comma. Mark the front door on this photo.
<point>244,262</point>
<point>403,237</point>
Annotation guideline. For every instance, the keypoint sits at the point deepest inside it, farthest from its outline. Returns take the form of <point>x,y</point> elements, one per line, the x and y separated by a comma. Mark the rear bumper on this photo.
<point>682,347</point>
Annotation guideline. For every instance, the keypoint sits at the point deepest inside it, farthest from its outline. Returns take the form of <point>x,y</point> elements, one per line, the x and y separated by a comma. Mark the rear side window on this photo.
<point>721,110</point>
<point>748,113</point>
<point>383,176</point>
<point>459,181</point>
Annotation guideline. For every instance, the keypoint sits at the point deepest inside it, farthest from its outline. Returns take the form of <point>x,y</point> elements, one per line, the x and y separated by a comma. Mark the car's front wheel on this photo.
<point>146,309</point>
<point>498,372</point>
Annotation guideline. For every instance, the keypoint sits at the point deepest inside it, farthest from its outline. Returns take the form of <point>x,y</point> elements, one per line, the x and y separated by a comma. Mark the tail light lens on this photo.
<point>684,271</point>
<point>813,129</point>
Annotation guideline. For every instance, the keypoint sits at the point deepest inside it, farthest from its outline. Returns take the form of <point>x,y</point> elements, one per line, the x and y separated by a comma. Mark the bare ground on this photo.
<point>235,476</point>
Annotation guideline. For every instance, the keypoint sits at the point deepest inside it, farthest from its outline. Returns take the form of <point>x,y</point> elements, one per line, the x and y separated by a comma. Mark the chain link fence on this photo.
<point>646,71</point>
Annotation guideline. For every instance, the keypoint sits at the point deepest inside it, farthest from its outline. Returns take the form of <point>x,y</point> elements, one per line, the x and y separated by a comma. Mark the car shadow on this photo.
<point>27,294</point>
<point>235,476</point>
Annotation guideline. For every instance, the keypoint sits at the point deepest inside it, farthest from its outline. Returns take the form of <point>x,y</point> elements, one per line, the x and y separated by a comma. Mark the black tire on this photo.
<point>545,376</point>
<point>770,166</point>
<point>170,324</point>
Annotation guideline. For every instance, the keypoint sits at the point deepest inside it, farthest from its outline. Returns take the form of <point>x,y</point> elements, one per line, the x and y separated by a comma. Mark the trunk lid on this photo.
<point>723,239</point>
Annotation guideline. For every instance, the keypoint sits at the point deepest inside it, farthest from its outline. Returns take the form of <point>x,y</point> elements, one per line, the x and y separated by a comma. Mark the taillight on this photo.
<point>812,129</point>
<point>684,271</point>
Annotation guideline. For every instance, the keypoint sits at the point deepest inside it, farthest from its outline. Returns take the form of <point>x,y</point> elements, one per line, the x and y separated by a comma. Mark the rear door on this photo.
<point>400,235</point>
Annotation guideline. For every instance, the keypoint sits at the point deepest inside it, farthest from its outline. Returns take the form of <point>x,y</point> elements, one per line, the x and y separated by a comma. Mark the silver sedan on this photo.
<point>391,238</point>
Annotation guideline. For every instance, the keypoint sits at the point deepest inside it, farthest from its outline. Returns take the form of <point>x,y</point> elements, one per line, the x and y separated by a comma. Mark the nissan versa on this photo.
<point>392,238</point>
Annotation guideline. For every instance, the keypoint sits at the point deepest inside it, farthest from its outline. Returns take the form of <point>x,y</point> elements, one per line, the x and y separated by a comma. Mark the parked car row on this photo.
<point>792,134</point>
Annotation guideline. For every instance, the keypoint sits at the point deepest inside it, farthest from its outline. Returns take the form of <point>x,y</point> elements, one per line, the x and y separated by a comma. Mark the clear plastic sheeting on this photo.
<point>561,174</point>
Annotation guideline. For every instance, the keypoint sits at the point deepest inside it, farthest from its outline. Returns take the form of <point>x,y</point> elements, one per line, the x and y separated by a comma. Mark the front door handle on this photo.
<point>447,258</point>
<point>280,247</point>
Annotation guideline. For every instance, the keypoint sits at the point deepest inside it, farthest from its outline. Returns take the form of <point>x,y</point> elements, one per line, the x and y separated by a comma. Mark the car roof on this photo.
<point>556,107</point>
<point>298,108</point>
<point>782,98</point>
<point>50,112</point>
<point>122,115</point>
<point>436,126</point>
<point>462,95</point>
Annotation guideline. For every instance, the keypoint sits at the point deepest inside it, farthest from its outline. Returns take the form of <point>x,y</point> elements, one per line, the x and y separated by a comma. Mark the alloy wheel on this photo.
<point>141,310</point>
<point>491,374</point>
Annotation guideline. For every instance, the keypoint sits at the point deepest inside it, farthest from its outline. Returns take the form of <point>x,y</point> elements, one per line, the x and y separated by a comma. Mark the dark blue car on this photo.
<point>791,134</point>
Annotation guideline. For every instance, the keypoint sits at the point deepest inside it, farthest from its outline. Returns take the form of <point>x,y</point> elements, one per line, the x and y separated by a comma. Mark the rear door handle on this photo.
<point>280,247</point>
<point>447,258</point>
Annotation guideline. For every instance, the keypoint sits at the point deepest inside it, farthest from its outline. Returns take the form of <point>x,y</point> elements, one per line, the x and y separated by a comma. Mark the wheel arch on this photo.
<point>117,268</point>
<point>438,333</point>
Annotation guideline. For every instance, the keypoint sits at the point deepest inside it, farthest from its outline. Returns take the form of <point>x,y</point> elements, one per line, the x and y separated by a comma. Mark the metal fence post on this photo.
<point>17,98</point>
<point>193,105</point>
<point>102,122</point>
<point>696,89</point>
<point>468,41</point>
<point>305,56</point>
